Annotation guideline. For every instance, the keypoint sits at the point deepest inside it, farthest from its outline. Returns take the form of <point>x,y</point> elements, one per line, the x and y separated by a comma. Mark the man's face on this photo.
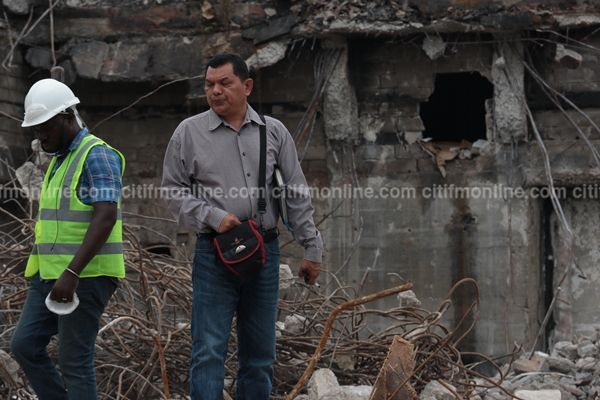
<point>50,133</point>
<point>225,92</point>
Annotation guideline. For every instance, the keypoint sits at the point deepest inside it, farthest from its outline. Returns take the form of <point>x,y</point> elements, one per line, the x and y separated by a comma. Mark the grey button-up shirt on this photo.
<point>211,169</point>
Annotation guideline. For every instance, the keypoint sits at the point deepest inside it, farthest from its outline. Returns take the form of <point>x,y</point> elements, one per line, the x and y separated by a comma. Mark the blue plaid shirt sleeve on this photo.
<point>101,176</point>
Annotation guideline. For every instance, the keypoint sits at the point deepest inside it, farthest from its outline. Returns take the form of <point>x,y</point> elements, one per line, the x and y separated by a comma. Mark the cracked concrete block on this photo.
<point>286,278</point>
<point>356,392</point>
<point>587,349</point>
<point>408,299</point>
<point>268,55</point>
<point>437,391</point>
<point>548,394</point>
<point>31,179</point>
<point>568,58</point>
<point>295,324</point>
<point>565,349</point>
<point>560,365</point>
<point>125,60</point>
<point>88,58</point>
<point>434,47</point>
<point>323,385</point>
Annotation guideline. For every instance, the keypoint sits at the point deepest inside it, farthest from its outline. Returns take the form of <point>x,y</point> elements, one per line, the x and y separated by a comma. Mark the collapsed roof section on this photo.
<point>154,40</point>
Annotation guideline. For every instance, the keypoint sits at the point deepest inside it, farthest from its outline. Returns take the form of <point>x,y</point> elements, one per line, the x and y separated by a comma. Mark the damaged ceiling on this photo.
<point>157,40</point>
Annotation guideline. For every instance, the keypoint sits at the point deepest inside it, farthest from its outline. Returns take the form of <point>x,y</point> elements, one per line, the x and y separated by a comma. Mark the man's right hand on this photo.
<point>229,221</point>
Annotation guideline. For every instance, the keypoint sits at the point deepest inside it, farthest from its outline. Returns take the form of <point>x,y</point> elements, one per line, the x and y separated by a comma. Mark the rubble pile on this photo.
<point>570,372</point>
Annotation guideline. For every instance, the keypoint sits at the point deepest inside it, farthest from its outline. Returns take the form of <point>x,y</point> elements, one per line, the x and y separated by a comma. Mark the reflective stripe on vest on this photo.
<point>63,221</point>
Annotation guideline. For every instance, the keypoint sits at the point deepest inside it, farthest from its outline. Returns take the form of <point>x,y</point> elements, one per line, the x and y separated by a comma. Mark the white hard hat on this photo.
<point>45,99</point>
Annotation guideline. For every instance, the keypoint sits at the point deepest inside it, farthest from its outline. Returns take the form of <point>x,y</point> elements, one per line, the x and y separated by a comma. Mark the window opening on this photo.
<point>456,109</point>
<point>159,250</point>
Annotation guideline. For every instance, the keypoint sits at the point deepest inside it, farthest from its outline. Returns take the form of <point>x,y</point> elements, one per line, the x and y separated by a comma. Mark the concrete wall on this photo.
<point>434,240</point>
<point>14,142</point>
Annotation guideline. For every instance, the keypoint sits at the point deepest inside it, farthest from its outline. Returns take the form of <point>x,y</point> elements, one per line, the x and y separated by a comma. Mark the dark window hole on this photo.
<point>456,109</point>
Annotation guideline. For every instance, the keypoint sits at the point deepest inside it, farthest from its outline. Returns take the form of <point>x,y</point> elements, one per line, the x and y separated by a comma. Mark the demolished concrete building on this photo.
<point>441,139</point>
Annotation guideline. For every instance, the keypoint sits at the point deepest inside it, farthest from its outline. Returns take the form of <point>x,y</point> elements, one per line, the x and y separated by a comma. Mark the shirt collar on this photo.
<point>77,141</point>
<point>214,120</point>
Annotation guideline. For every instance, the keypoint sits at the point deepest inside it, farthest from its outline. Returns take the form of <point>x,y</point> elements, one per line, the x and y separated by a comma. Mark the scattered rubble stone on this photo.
<point>436,391</point>
<point>572,372</point>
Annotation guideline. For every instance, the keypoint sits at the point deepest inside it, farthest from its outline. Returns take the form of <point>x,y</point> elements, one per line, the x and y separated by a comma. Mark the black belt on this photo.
<point>269,235</point>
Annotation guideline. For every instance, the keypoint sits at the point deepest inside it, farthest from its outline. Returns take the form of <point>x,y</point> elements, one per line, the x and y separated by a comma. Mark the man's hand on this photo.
<point>309,271</point>
<point>229,221</point>
<point>64,288</point>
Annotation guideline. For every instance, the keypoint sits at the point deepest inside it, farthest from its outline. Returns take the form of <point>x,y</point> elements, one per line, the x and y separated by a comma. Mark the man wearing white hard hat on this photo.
<point>77,257</point>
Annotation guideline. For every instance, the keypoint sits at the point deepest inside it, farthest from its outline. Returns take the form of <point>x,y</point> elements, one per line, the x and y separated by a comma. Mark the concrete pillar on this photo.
<point>508,79</point>
<point>339,103</point>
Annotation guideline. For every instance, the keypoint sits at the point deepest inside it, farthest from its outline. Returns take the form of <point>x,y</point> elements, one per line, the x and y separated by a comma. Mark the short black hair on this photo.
<point>240,69</point>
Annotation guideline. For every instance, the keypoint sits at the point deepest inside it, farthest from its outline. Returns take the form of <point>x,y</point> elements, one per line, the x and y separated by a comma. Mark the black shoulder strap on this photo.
<point>262,169</point>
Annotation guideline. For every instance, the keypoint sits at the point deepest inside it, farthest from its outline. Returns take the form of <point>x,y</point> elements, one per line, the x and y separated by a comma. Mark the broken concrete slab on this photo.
<point>434,47</point>
<point>88,58</point>
<point>31,179</point>
<point>437,391</point>
<point>526,366</point>
<point>286,278</point>
<point>568,58</point>
<point>408,299</point>
<point>560,364</point>
<point>323,385</point>
<point>268,54</point>
<point>295,324</point>
<point>539,394</point>
<point>356,392</point>
<point>270,29</point>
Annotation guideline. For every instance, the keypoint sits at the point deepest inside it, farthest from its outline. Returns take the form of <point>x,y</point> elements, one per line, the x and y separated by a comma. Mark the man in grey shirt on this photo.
<point>210,182</point>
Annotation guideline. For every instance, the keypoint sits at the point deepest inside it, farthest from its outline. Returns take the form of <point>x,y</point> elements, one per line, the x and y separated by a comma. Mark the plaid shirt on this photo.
<point>101,176</point>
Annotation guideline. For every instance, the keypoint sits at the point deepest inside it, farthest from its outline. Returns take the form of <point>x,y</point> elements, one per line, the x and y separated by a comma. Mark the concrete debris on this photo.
<point>88,58</point>
<point>568,58</point>
<point>500,62</point>
<point>8,369</point>
<point>436,391</point>
<point>539,394</point>
<point>323,385</point>
<point>295,324</point>
<point>478,145</point>
<point>268,55</point>
<point>31,179</point>
<point>408,299</point>
<point>565,374</point>
<point>434,47</point>
<point>286,278</point>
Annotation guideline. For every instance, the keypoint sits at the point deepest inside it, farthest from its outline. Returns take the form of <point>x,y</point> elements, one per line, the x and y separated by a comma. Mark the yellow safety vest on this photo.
<point>63,221</point>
